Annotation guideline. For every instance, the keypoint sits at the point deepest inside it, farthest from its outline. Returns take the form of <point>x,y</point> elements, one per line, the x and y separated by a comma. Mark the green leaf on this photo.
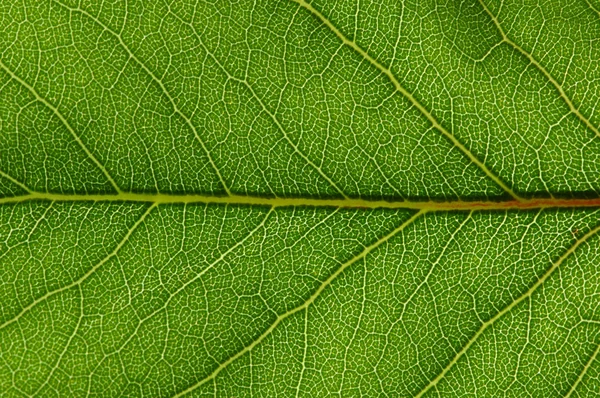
<point>299,198</point>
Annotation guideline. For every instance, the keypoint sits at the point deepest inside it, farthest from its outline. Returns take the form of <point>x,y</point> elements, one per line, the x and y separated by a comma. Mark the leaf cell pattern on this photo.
<point>299,198</point>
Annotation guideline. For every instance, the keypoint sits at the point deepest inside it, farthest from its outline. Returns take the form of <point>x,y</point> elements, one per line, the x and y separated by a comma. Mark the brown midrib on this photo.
<point>311,202</point>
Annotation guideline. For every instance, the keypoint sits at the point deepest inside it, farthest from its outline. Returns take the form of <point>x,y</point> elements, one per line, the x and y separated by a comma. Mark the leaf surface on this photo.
<point>299,198</point>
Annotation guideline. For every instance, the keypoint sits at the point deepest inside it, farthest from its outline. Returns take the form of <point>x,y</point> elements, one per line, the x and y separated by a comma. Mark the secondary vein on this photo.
<point>64,121</point>
<point>543,70</point>
<point>586,367</point>
<point>85,276</point>
<point>410,97</point>
<point>303,306</point>
<point>506,309</point>
<point>261,103</point>
<point>154,78</point>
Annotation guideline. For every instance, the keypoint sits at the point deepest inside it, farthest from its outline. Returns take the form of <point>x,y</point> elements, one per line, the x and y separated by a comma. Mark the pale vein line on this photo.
<point>28,239</point>
<point>192,280</point>
<point>66,347</point>
<point>15,181</point>
<point>506,309</point>
<point>205,270</point>
<point>64,122</point>
<point>546,74</point>
<point>592,7</point>
<point>587,366</point>
<point>84,276</point>
<point>409,96</point>
<point>303,306</point>
<point>265,109</point>
<point>160,84</point>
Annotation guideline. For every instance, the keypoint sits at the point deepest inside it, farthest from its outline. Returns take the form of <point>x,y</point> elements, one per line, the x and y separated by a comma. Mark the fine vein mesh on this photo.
<point>142,144</point>
<point>488,93</point>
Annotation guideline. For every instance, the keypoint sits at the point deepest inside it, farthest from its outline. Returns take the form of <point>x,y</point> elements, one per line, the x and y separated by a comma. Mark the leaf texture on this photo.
<point>299,198</point>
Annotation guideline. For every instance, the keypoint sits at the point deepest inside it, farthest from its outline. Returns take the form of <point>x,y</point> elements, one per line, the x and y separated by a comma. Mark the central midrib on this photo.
<point>350,203</point>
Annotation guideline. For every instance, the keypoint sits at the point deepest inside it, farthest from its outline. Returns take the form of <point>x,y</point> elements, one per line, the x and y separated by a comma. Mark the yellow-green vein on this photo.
<point>410,97</point>
<point>543,70</point>
<point>586,367</point>
<point>176,109</point>
<point>64,121</point>
<point>506,309</point>
<point>304,305</point>
<point>85,276</point>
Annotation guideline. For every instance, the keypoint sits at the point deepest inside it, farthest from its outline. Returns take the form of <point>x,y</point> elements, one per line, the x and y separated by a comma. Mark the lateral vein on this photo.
<point>154,78</point>
<point>410,97</point>
<point>85,276</point>
<point>64,121</point>
<point>543,70</point>
<point>304,305</point>
<point>506,309</point>
<point>586,367</point>
<point>261,103</point>
<point>15,181</point>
